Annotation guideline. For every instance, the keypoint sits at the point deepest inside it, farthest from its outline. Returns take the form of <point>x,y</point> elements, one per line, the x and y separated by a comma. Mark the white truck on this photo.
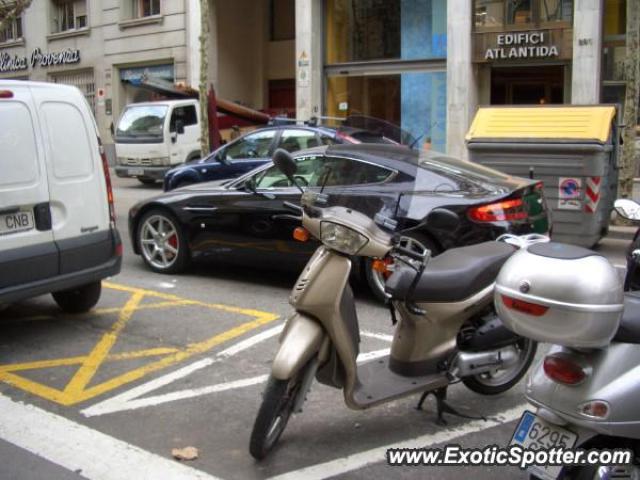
<point>153,137</point>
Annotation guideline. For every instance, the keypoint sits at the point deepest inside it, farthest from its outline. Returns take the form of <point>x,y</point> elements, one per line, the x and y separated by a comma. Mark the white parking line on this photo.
<point>130,400</point>
<point>77,448</point>
<point>356,461</point>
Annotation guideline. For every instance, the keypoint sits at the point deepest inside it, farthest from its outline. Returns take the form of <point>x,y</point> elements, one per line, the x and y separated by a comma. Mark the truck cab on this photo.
<point>153,137</point>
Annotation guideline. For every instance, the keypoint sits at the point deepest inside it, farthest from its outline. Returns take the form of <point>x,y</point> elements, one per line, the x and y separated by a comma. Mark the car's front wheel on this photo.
<point>162,242</point>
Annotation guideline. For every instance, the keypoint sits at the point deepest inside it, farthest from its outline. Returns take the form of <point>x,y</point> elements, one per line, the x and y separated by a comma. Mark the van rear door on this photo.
<point>79,207</point>
<point>27,249</point>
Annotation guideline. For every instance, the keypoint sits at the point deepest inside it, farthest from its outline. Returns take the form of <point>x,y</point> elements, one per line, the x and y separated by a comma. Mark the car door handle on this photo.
<point>200,209</point>
<point>42,214</point>
<point>286,216</point>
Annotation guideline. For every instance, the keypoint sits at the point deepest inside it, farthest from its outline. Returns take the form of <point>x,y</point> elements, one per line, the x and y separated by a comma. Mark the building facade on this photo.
<point>102,47</point>
<point>425,65</point>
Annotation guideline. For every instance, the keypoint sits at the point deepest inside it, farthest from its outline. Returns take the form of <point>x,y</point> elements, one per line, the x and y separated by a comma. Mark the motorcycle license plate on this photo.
<point>534,433</point>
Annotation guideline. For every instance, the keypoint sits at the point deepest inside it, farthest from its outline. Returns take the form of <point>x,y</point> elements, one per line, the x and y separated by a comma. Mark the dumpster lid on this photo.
<point>585,123</point>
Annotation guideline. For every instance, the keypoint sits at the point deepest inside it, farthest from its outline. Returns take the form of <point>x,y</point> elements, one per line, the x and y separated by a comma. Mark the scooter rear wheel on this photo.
<point>503,380</point>
<point>277,405</point>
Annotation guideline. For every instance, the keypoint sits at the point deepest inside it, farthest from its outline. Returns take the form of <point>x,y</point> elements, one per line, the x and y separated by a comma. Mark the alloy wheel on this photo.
<point>159,241</point>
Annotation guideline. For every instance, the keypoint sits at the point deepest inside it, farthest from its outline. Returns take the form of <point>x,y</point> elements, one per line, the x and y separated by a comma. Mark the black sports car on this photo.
<point>245,220</point>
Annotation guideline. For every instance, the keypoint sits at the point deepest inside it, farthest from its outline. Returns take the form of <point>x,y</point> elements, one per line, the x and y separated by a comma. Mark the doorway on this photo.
<point>527,85</point>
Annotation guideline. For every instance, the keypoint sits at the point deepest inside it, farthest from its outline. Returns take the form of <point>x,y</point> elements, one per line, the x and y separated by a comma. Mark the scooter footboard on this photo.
<point>302,339</point>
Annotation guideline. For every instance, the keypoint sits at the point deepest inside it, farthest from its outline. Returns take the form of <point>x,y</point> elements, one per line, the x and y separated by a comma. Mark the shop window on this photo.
<point>489,13</point>
<point>362,30</point>
<point>144,8</point>
<point>69,15</point>
<point>12,32</point>
<point>519,12</point>
<point>556,10</point>
<point>283,20</point>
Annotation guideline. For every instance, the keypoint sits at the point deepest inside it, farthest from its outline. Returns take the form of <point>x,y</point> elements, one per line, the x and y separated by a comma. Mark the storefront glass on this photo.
<point>402,32</point>
<point>362,30</point>
<point>490,15</point>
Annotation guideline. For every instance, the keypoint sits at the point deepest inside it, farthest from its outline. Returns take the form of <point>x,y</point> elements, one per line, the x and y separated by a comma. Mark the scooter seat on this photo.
<point>629,330</point>
<point>452,276</point>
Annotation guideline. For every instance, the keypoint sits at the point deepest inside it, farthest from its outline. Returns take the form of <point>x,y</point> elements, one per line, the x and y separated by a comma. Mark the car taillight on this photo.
<point>505,210</point>
<point>107,179</point>
<point>529,308</point>
<point>6,94</point>
<point>562,368</point>
<point>347,138</point>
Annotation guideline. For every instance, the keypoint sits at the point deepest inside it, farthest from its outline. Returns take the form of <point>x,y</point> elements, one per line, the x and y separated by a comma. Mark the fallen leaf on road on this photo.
<point>186,453</point>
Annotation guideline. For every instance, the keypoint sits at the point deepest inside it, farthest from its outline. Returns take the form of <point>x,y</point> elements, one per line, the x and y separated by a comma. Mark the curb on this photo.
<point>621,233</point>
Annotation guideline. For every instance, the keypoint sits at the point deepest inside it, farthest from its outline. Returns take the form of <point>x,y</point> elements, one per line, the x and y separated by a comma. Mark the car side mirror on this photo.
<point>443,219</point>
<point>627,208</point>
<point>179,127</point>
<point>285,163</point>
<point>112,129</point>
<point>174,137</point>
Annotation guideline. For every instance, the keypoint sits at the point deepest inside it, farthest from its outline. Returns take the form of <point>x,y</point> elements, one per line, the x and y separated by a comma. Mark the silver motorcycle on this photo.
<point>446,329</point>
<point>586,390</point>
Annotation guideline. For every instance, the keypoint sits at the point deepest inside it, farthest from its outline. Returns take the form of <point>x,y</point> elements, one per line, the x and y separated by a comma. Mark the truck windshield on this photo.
<point>142,124</point>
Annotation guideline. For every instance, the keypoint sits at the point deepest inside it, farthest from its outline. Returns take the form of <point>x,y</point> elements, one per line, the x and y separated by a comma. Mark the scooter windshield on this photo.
<point>398,186</point>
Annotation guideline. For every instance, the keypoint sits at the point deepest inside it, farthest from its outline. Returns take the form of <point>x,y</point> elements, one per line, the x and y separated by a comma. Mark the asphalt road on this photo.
<point>167,362</point>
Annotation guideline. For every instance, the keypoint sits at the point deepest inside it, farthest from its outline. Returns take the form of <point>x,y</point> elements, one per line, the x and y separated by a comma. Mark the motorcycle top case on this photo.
<point>562,294</point>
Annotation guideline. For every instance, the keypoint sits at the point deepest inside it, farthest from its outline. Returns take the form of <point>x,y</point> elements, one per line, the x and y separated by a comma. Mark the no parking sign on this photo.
<point>569,190</point>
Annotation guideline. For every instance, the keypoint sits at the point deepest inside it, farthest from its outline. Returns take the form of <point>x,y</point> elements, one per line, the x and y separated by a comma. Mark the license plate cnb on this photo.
<point>535,433</point>
<point>16,222</point>
<point>136,171</point>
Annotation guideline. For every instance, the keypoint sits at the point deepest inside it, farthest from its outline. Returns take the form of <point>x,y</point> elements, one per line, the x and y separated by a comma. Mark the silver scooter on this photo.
<point>586,390</point>
<point>446,331</point>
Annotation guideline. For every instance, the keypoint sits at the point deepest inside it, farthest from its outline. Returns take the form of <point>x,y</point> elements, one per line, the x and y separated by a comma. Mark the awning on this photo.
<point>586,123</point>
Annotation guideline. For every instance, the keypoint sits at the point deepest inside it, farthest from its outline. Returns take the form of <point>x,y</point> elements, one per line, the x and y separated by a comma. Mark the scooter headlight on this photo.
<point>341,238</point>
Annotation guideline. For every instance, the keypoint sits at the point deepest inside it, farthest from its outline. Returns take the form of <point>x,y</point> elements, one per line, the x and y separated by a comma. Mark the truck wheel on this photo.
<point>147,180</point>
<point>162,242</point>
<point>79,299</point>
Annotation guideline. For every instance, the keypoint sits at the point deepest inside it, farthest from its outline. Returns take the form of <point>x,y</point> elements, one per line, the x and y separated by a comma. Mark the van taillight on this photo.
<point>525,307</point>
<point>107,179</point>
<point>500,211</point>
<point>563,369</point>
<point>6,94</point>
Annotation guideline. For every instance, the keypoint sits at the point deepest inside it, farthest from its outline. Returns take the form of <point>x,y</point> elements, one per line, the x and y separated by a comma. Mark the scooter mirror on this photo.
<point>285,163</point>
<point>443,219</point>
<point>627,208</point>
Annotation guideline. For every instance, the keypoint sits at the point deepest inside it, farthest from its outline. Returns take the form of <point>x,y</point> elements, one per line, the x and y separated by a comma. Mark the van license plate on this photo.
<point>136,171</point>
<point>534,433</point>
<point>16,222</point>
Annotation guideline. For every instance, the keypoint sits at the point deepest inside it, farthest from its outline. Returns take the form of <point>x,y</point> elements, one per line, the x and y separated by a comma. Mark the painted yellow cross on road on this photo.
<point>79,388</point>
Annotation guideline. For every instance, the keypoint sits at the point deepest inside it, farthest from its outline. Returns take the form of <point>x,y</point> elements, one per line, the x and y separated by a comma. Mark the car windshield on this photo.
<point>144,122</point>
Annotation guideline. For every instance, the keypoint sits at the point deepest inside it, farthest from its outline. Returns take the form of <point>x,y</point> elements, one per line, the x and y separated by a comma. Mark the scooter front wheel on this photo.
<point>277,405</point>
<point>501,380</point>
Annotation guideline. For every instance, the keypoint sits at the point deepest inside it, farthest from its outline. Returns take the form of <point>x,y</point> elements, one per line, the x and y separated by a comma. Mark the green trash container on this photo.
<point>573,150</point>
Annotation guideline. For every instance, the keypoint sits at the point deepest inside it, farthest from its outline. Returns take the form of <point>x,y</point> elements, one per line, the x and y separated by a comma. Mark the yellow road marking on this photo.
<point>90,366</point>
<point>61,362</point>
<point>78,388</point>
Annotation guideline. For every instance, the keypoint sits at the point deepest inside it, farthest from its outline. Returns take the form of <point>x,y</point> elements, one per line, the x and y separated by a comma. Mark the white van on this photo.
<point>153,137</point>
<point>57,219</point>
